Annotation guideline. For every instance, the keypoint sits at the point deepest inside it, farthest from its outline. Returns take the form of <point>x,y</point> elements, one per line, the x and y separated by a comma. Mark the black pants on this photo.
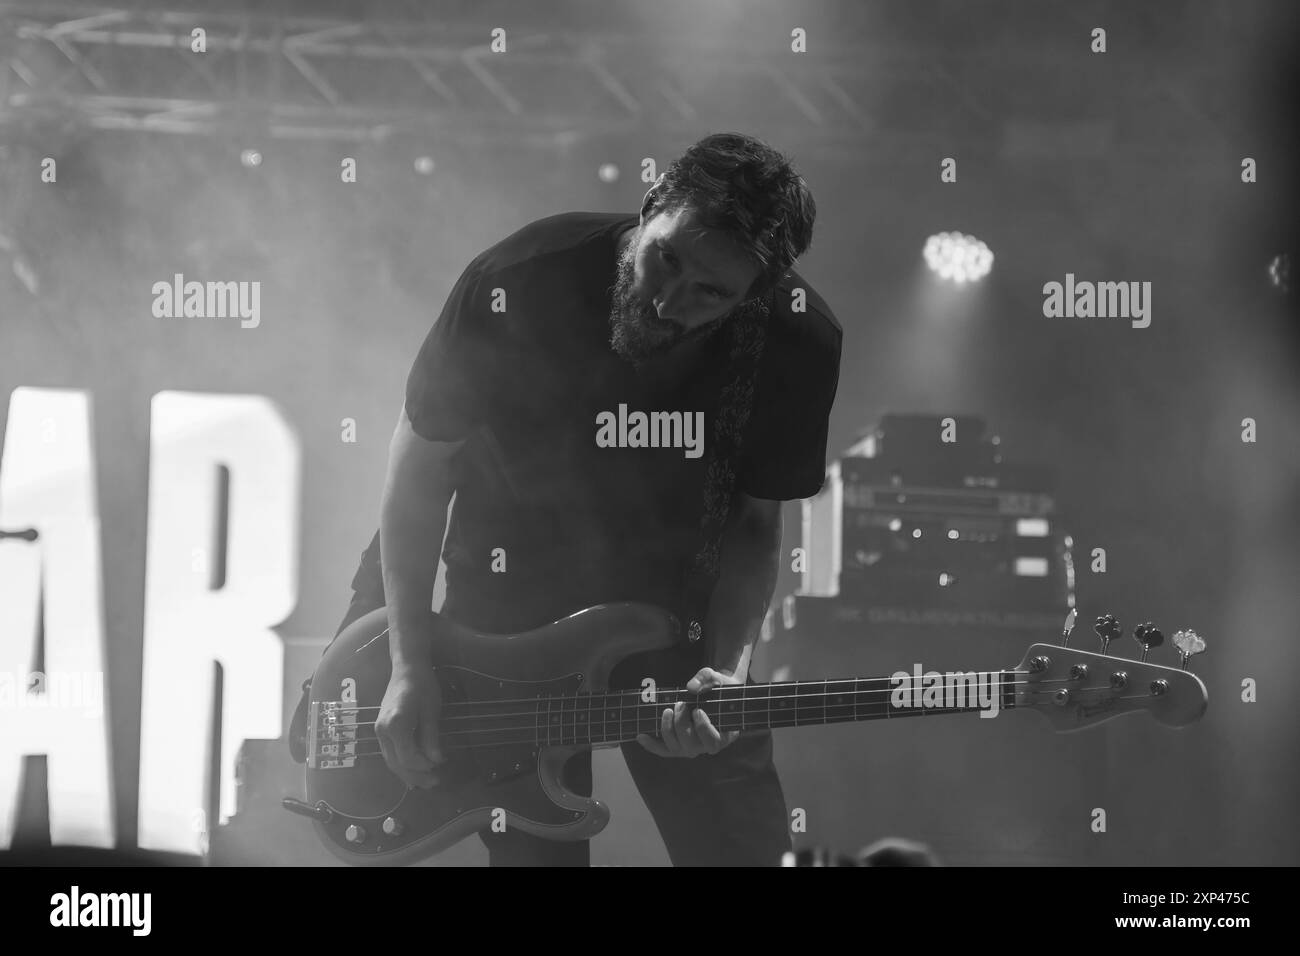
<point>723,809</point>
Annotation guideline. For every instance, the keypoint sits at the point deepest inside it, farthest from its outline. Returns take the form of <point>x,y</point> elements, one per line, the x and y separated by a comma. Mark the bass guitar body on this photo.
<point>513,715</point>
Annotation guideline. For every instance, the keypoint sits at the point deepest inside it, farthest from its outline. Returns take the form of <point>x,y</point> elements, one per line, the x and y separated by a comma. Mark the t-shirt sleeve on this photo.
<point>460,376</point>
<point>784,451</point>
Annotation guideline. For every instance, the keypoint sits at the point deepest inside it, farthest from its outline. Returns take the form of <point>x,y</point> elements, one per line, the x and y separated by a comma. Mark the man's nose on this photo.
<point>666,305</point>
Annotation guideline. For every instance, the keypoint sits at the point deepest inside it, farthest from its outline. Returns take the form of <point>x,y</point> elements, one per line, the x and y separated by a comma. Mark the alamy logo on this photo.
<point>1102,300</point>
<point>102,909</point>
<point>651,430</point>
<point>208,300</point>
<point>953,689</point>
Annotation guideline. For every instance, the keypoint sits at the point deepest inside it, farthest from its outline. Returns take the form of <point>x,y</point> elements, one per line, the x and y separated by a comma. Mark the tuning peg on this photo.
<point>1068,626</point>
<point>1189,644</point>
<point>1107,628</point>
<point>1149,636</point>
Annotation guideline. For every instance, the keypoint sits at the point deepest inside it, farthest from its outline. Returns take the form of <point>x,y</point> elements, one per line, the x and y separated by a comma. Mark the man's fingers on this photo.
<point>428,742</point>
<point>704,678</point>
<point>409,756</point>
<point>684,727</point>
<point>682,721</point>
<point>683,735</point>
<point>404,758</point>
<point>707,734</point>
<point>416,770</point>
<point>668,733</point>
<point>386,748</point>
<point>412,778</point>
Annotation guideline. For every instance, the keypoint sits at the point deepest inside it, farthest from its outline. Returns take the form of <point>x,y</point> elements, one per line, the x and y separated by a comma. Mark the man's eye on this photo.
<point>667,256</point>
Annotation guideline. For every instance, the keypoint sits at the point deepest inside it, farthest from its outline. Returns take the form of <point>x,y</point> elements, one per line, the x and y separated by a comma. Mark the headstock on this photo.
<point>1076,689</point>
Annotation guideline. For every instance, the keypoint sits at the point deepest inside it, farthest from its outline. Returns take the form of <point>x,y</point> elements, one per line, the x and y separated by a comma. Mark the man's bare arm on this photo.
<point>749,563</point>
<point>750,560</point>
<point>412,522</point>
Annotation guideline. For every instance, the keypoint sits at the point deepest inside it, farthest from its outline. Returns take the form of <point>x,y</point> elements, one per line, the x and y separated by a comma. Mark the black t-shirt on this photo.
<point>519,365</point>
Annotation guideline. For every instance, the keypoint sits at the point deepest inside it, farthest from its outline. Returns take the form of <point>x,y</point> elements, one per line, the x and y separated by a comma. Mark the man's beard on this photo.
<point>636,331</point>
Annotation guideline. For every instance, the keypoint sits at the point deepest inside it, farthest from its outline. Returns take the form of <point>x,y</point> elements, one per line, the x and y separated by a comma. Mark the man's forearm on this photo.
<point>410,568</point>
<point>749,563</point>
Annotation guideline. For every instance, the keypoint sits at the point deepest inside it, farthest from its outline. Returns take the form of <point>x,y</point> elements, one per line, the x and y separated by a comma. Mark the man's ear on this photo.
<point>648,199</point>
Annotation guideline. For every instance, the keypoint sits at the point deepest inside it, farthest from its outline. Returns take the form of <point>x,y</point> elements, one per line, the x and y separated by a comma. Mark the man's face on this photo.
<point>676,279</point>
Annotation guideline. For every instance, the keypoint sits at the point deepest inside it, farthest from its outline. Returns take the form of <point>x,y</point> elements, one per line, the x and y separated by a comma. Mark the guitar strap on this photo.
<point>747,333</point>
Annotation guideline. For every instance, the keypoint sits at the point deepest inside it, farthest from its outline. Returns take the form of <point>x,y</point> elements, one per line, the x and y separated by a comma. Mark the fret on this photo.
<point>810,703</point>
<point>756,706</point>
<point>647,714</point>
<point>875,699</point>
<point>582,720</point>
<point>730,707</point>
<point>839,701</point>
<point>781,706</point>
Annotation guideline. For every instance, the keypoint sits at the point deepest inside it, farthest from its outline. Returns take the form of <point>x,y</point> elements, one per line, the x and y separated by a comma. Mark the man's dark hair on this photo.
<point>744,188</point>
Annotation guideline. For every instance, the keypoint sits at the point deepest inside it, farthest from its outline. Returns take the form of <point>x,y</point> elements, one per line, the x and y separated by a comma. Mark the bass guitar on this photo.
<point>517,707</point>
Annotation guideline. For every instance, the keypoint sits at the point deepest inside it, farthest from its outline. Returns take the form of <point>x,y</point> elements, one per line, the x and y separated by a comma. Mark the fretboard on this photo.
<point>618,716</point>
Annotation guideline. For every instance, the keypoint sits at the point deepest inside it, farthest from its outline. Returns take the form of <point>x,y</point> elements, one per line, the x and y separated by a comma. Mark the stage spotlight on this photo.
<point>608,173</point>
<point>1279,272</point>
<point>250,158</point>
<point>958,257</point>
<point>424,165</point>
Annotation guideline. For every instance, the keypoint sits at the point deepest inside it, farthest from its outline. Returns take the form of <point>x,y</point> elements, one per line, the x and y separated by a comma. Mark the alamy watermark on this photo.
<point>75,908</point>
<point>626,429</point>
<point>208,300</point>
<point>1101,300</point>
<point>951,689</point>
